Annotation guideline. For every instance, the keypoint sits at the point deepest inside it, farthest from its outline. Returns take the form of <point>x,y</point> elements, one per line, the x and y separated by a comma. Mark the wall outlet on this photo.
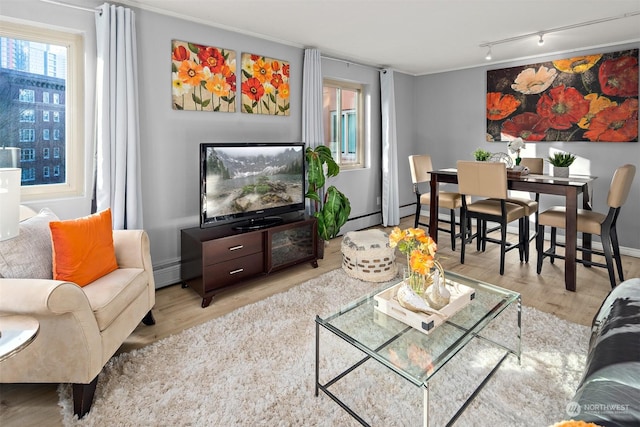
<point>378,201</point>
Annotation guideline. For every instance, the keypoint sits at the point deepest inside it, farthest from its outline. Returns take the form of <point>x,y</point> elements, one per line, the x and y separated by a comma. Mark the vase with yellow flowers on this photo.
<point>424,274</point>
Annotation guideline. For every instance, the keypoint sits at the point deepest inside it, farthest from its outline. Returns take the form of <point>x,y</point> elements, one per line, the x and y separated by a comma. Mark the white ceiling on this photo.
<point>419,36</point>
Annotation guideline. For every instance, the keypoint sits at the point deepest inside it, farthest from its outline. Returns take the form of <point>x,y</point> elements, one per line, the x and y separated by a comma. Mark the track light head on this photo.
<point>541,40</point>
<point>488,55</point>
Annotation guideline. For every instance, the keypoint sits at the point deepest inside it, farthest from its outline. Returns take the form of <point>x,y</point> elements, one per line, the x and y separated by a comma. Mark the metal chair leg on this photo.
<point>452,215</point>
<point>608,256</point>
<point>552,258</point>
<point>616,252</point>
<point>463,223</point>
<point>540,247</point>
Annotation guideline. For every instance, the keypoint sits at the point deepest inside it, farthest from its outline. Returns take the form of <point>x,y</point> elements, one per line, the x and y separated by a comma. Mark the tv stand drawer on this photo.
<point>232,247</point>
<point>232,271</point>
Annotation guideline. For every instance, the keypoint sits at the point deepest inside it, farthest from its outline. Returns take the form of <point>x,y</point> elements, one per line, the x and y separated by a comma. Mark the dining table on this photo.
<point>571,188</point>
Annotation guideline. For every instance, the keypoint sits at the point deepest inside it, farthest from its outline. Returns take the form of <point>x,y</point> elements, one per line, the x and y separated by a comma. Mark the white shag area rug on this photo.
<point>256,367</point>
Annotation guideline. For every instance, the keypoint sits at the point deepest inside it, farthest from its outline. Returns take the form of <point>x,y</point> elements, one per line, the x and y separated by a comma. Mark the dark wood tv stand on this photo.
<point>217,257</point>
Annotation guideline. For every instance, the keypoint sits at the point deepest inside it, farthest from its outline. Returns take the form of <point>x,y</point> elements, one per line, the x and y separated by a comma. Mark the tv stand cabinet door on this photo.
<point>291,244</point>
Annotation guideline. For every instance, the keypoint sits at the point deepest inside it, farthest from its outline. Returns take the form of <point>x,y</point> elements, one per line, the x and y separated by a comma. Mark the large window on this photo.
<point>39,66</point>
<point>27,135</point>
<point>343,115</point>
<point>27,116</point>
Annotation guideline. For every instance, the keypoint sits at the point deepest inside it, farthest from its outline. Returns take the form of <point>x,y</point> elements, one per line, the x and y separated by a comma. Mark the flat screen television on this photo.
<point>250,184</point>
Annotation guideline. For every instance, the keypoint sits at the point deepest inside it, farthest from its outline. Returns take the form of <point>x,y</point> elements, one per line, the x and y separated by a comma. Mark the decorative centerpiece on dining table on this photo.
<point>561,162</point>
<point>515,145</point>
<point>424,286</point>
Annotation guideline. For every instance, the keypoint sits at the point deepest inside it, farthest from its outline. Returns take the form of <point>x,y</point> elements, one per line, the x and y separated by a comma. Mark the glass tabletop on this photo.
<point>409,352</point>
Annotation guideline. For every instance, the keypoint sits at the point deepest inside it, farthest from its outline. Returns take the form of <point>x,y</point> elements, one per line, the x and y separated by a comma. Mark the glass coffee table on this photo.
<point>381,338</point>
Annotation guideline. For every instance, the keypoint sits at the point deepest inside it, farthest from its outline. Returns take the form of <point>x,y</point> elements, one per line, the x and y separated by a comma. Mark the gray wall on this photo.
<point>450,124</point>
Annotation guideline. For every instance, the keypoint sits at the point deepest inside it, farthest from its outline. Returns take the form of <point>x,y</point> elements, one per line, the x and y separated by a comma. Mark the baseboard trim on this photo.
<point>167,273</point>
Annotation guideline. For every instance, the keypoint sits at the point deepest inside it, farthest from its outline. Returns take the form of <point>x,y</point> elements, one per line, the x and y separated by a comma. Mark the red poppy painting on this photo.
<point>203,77</point>
<point>585,98</point>
<point>265,85</point>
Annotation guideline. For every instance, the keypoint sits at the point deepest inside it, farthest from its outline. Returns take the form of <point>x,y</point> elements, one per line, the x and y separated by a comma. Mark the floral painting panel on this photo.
<point>265,85</point>
<point>584,98</point>
<point>203,78</point>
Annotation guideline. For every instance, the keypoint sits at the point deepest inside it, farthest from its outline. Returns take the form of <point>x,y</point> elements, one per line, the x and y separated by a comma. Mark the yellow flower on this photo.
<point>178,86</point>
<point>596,104</point>
<point>577,64</point>
<point>421,262</point>
<point>190,73</point>
<point>218,86</point>
<point>574,423</point>
<point>419,248</point>
<point>262,71</point>
<point>530,81</point>
<point>395,237</point>
<point>284,90</point>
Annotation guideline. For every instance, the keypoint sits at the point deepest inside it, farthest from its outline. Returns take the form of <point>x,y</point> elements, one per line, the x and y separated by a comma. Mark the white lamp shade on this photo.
<point>9,202</point>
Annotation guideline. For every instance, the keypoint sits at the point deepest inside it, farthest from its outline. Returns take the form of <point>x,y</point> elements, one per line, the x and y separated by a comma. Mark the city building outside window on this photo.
<point>45,171</point>
<point>27,116</point>
<point>27,155</point>
<point>28,174</point>
<point>45,153</point>
<point>27,95</point>
<point>27,135</point>
<point>39,65</point>
<point>343,117</point>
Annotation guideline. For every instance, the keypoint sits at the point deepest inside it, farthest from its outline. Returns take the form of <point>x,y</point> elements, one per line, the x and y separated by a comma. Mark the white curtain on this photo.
<point>312,131</point>
<point>390,200</point>
<point>117,135</point>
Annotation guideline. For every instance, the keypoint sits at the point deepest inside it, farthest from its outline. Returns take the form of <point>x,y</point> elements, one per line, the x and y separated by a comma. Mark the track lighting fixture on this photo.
<point>542,33</point>
<point>488,55</point>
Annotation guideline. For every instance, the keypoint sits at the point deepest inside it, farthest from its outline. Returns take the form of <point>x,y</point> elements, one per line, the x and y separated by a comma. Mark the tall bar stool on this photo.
<point>489,180</point>
<point>420,166</point>
<point>590,222</point>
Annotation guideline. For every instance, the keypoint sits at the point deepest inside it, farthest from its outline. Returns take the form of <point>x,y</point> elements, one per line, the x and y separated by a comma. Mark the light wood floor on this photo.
<point>177,308</point>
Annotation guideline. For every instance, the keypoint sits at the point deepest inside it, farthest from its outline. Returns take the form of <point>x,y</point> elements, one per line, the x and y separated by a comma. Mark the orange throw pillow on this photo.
<point>83,248</point>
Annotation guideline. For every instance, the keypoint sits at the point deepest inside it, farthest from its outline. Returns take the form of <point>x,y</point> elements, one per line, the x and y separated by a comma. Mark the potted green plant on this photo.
<point>481,155</point>
<point>332,210</point>
<point>561,162</point>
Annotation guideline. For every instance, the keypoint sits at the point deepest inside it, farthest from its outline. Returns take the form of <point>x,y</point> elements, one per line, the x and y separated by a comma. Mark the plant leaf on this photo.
<point>193,48</point>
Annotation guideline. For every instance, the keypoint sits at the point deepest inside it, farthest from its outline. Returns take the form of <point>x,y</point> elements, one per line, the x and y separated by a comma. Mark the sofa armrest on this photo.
<point>68,347</point>
<point>41,296</point>
<point>133,251</point>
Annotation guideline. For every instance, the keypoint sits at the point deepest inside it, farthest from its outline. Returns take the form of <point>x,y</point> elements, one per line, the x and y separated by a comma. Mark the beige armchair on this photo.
<point>80,327</point>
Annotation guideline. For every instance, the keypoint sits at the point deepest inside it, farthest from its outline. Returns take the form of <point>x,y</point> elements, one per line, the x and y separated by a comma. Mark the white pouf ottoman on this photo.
<point>366,255</point>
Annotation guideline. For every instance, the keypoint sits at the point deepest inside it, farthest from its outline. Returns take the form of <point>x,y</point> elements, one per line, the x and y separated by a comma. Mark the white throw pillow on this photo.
<point>28,255</point>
